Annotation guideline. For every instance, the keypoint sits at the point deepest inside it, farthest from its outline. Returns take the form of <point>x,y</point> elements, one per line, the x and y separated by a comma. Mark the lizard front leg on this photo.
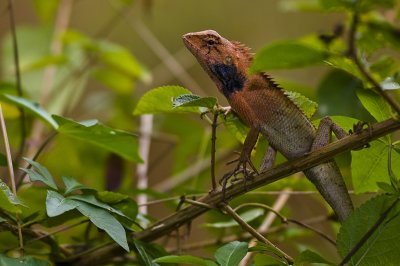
<point>245,155</point>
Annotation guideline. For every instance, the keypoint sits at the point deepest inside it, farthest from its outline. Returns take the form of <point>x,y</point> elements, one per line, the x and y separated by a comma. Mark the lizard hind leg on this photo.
<point>327,177</point>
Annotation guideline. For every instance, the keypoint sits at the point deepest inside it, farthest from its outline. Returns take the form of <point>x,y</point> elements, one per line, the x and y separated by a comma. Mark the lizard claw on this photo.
<point>226,110</point>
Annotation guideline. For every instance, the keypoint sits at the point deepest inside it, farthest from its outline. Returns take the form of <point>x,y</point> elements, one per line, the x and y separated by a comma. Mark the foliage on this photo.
<point>75,191</point>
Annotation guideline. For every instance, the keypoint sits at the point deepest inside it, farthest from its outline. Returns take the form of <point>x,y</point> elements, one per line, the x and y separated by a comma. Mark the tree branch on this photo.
<point>170,223</point>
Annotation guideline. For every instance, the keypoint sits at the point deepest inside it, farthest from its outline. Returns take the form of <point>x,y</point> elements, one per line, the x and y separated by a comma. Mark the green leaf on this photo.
<point>247,216</point>
<point>308,257</point>
<point>231,254</point>
<point>104,220</point>
<point>286,54</point>
<point>159,100</point>
<point>71,185</point>
<point>374,104</point>
<point>144,258</point>
<point>120,142</point>
<point>382,247</point>
<point>236,127</point>
<point>40,174</point>
<point>111,197</point>
<point>370,166</point>
<point>32,107</point>
<point>186,100</point>
<point>91,199</point>
<point>56,204</point>
<point>185,259</point>
<point>22,261</point>
<point>8,199</point>
<point>306,105</point>
<point>337,96</point>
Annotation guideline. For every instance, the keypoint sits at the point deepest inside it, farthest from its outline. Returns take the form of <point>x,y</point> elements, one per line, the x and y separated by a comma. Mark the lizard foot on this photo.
<point>240,170</point>
<point>357,128</point>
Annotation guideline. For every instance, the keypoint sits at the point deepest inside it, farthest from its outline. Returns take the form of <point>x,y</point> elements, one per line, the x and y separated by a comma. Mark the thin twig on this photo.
<point>213,143</point>
<point>288,220</point>
<point>368,234</point>
<point>354,55</point>
<point>318,232</point>
<point>254,232</point>
<point>11,172</point>
<point>18,81</point>
<point>57,231</point>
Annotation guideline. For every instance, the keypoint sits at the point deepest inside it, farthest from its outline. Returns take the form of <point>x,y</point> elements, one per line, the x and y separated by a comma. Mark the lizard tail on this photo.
<point>327,179</point>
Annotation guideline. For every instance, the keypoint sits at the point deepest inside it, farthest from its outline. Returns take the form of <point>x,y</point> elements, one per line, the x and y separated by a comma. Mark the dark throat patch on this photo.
<point>229,77</point>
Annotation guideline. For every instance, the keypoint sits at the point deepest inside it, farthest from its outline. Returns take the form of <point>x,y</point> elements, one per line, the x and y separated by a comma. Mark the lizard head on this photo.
<point>225,62</point>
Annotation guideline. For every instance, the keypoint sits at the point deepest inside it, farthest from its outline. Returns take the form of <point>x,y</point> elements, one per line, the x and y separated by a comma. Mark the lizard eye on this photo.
<point>228,60</point>
<point>211,42</point>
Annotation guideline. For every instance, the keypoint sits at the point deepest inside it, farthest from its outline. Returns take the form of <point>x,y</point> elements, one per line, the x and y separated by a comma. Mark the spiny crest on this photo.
<point>244,50</point>
<point>270,81</point>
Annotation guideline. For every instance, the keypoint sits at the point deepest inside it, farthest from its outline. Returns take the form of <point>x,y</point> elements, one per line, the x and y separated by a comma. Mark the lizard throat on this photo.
<point>229,79</point>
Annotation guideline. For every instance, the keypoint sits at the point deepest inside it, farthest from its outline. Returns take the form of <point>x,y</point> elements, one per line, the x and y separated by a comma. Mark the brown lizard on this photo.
<point>265,108</point>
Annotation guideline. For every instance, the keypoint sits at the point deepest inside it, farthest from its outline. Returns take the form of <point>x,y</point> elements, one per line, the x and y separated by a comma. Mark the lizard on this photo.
<point>266,109</point>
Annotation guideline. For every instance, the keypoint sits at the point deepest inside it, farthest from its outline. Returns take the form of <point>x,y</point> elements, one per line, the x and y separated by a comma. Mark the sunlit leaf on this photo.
<point>306,105</point>
<point>159,100</point>
<point>370,166</point>
<point>120,142</point>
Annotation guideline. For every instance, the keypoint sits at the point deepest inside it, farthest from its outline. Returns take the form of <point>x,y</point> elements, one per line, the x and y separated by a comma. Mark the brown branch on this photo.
<point>170,223</point>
